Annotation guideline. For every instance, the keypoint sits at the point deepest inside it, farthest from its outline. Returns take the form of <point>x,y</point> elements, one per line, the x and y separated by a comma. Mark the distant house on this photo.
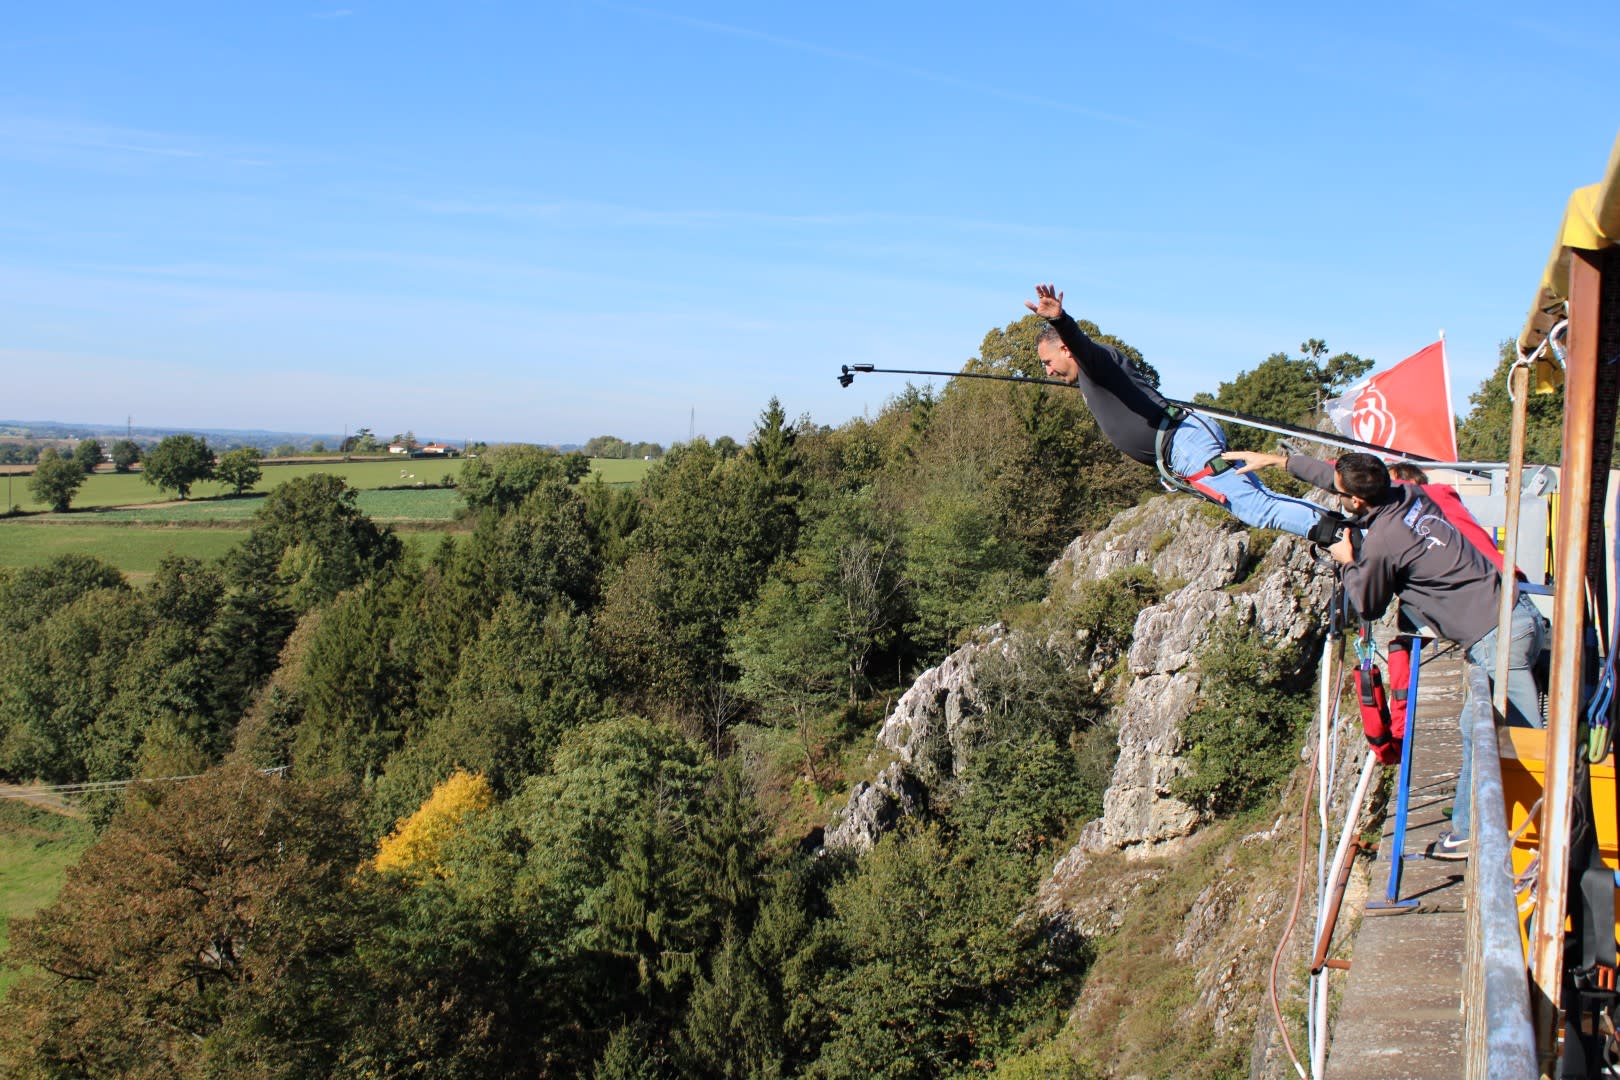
<point>398,448</point>
<point>437,449</point>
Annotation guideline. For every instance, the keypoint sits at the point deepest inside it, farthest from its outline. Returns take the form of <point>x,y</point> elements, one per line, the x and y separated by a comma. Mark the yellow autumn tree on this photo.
<point>414,846</point>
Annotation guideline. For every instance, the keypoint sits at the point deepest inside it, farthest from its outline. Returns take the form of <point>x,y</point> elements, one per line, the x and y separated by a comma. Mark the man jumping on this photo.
<point>1185,447</point>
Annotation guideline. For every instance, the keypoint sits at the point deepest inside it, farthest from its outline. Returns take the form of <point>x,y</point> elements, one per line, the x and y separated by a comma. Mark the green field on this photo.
<point>426,504</point>
<point>106,489</point>
<point>138,549</point>
<point>110,522</point>
<point>36,847</point>
<point>134,550</point>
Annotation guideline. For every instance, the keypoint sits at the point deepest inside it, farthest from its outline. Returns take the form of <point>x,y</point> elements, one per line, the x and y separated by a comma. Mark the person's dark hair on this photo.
<point>1049,333</point>
<point>1405,470</point>
<point>1363,476</point>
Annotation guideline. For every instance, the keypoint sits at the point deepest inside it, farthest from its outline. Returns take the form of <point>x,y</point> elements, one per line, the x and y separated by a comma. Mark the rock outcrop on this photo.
<point>1215,566</point>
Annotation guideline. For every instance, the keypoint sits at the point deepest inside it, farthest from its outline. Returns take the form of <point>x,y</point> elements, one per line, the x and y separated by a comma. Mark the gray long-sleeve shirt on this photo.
<point>1126,406</point>
<point>1409,549</point>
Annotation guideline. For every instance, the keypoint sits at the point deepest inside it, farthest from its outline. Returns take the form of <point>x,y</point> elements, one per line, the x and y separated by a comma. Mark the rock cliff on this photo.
<point>1217,567</point>
<point>1229,889</point>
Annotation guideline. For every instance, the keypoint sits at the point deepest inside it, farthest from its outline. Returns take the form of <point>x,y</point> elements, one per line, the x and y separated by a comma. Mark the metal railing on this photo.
<point>1498,1035</point>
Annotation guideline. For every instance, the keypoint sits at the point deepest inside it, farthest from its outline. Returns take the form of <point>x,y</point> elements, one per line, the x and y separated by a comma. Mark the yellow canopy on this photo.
<point>1591,221</point>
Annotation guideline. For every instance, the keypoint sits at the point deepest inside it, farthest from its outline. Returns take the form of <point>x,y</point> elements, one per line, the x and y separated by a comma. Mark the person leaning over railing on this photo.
<point>1410,549</point>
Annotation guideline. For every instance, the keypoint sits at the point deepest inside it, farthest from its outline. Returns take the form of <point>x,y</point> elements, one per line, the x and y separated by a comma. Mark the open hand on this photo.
<point>1251,460</point>
<point>1048,303</point>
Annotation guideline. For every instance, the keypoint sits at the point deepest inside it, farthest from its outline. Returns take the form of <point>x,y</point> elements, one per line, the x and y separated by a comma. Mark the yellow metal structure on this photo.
<point>1591,223</point>
<point>1523,773</point>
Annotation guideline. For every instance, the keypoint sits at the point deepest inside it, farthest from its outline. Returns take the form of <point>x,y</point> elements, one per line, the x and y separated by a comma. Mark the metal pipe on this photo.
<point>1335,901</point>
<point>1352,812</point>
<point>1564,690</point>
<point>1519,389</point>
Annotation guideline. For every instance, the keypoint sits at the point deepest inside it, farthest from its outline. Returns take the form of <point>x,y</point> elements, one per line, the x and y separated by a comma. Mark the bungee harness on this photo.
<point>1191,485</point>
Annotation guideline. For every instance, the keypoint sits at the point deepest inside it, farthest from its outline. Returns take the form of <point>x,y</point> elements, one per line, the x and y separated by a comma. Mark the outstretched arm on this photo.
<point>1250,460</point>
<point>1048,302</point>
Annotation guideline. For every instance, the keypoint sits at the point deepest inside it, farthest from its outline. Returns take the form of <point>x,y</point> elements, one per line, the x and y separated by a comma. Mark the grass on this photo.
<point>36,848</point>
<point>138,549</point>
<point>106,489</point>
<point>135,551</point>
<point>110,523</point>
<point>426,504</point>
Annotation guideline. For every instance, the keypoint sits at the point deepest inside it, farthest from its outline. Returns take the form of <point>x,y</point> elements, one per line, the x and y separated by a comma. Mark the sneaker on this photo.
<point>1449,846</point>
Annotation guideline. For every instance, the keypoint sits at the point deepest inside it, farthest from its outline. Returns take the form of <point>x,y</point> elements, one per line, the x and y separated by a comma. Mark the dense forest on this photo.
<point>547,801</point>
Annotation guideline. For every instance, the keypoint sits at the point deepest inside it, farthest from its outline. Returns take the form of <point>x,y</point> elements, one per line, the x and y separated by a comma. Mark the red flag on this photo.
<point>1406,408</point>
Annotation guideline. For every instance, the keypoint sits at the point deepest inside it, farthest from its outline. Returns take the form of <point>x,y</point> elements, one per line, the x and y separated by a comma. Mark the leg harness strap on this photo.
<point>1192,485</point>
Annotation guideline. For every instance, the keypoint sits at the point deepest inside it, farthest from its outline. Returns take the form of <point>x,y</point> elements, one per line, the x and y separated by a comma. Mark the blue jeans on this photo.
<point>1526,638</point>
<point>1195,441</point>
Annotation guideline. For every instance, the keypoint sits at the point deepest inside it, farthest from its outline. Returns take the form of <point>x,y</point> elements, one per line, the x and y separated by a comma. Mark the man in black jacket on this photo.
<point>1411,550</point>
<point>1186,448</point>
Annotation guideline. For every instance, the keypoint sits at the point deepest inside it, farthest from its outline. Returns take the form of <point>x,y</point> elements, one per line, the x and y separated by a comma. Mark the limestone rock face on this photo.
<point>1216,566</point>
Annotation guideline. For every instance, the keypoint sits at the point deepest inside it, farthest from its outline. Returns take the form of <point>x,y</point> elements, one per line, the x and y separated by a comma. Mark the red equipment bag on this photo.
<point>1399,654</point>
<point>1375,714</point>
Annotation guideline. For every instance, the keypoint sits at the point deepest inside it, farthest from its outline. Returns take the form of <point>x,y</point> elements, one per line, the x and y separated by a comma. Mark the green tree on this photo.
<point>960,571</point>
<point>56,480</point>
<point>31,594</point>
<point>949,977</point>
<point>88,455</point>
<point>125,453</point>
<point>1285,388</point>
<point>704,544</point>
<point>178,462</point>
<point>1485,433</point>
<point>540,549</point>
<point>239,468</point>
<point>772,451</point>
<point>361,442</point>
<point>58,681</point>
<point>787,650</point>
<point>358,687</point>
<point>530,678</point>
<point>503,476</point>
<point>309,542</point>
<point>607,446</point>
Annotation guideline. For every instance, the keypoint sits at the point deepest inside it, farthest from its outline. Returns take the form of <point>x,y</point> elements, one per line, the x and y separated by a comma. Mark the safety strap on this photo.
<point>1191,485</point>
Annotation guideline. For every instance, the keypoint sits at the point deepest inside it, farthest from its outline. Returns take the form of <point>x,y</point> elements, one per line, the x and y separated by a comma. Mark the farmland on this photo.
<point>128,522</point>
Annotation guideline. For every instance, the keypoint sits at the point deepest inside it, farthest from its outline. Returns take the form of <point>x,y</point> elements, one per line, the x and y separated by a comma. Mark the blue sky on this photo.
<point>549,221</point>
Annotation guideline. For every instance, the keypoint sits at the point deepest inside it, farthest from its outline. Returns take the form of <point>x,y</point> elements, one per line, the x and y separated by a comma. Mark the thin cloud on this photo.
<point>612,215</point>
<point>26,136</point>
<point>878,63</point>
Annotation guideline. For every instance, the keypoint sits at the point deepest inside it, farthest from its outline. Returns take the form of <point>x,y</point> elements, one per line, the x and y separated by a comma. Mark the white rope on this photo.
<point>89,786</point>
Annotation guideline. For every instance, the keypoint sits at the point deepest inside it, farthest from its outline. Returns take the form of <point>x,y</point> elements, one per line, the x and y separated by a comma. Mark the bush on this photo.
<point>1240,742</point>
